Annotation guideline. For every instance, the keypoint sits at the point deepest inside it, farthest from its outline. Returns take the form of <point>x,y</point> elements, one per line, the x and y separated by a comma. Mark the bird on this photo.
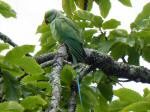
<point>66,32</point>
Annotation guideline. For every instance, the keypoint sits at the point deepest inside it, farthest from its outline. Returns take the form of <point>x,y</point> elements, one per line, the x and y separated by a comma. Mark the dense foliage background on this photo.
<point>26,84</point>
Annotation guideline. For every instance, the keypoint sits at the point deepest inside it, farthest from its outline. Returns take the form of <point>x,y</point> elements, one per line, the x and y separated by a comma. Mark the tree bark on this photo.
<point>55,80</point>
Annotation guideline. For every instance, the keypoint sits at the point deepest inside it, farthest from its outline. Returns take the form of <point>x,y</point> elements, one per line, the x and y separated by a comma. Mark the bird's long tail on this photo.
<point>78,82</point>
<point>78,54</point>
<point>79,91</point>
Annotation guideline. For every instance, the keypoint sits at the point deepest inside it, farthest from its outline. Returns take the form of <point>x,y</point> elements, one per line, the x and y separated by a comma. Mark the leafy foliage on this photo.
<point>6,10</point>
<point>104,6</point>
<point>110,24</point>
<point>126,2</point>
<point>11,87</point>
<point>68,6</point>
<point>27,88</point>
<point>47,42</point>
<point>32,102</point>
<point>144,15</point>
<point>11,106</point>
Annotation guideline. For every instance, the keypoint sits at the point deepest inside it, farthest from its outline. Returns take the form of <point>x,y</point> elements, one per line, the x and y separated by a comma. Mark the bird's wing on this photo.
<point>67,29</point>
<point>70,35</point>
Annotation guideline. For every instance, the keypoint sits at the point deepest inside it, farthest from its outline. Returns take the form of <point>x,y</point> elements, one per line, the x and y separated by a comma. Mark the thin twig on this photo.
<point>7,40</point>
<point>45,57</point>
<point>67,62</point>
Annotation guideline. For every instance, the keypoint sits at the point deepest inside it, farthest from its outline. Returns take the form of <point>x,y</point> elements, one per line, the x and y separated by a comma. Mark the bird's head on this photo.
<point>50,16</point>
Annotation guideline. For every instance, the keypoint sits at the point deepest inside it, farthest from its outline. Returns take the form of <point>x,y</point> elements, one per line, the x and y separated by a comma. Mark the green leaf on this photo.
<point>105,46</point>
<point>112,44</point>
<point>11,106</point>
<point>79,108</point>
<point>127,41</point>
<point>130,41</point>
<point>102,106</point>
<point>104,6</point>
<point>43,85</point>
<point>81,4</point>
<point>17,57</point>
<point>87,80</point>
<point>147,97</point>
<point>46,48</point>
<point>110,24</point>
<point>3,46</point>
<point>98,76</point>
<point>97,21</point>
<point>14,70</point>
<point>88,34</point>
<point>30,65</point>
<point>133,56</point>
<point>89,97</point>
<point>126,3</point>
<point>143,37</point>
<point>46,40</point>
<point>84,24</point>
<point>85,15</point>
<point>106,90</point>
<point>137,107</point>
<point>117,105</point>
<point>118,33</point>
<point>97,39</point>
<point>33,78</point>
<point>141,16</point>
<point>146,92</point>
<point>67,75</point>
<point>11,87</point>
<point>145,53</point>
<point>18,52</point>
<point>32,102</point>
<point>41,88</point>
<point>6,10</point>
<point>119,51</point>
<point>127,95</point>
<point>43,28</point>
<point>68,6</point>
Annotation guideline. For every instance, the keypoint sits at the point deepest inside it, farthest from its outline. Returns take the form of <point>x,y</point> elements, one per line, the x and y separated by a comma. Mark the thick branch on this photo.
<point>55,80</point>
<point>113,68</point>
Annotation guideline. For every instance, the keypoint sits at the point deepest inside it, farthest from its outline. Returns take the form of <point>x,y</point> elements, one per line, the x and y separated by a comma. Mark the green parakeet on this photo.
<point>65,31</point>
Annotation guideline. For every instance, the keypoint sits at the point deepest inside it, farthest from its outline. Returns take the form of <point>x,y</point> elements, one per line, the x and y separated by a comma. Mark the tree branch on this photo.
<point>45,57</point>
<point>55,80</point>
<point>47,63</point>
<point>114,68</point>
<point>7,40</point>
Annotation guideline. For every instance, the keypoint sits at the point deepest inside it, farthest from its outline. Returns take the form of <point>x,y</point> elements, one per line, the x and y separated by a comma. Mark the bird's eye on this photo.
<point>46,21</point>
